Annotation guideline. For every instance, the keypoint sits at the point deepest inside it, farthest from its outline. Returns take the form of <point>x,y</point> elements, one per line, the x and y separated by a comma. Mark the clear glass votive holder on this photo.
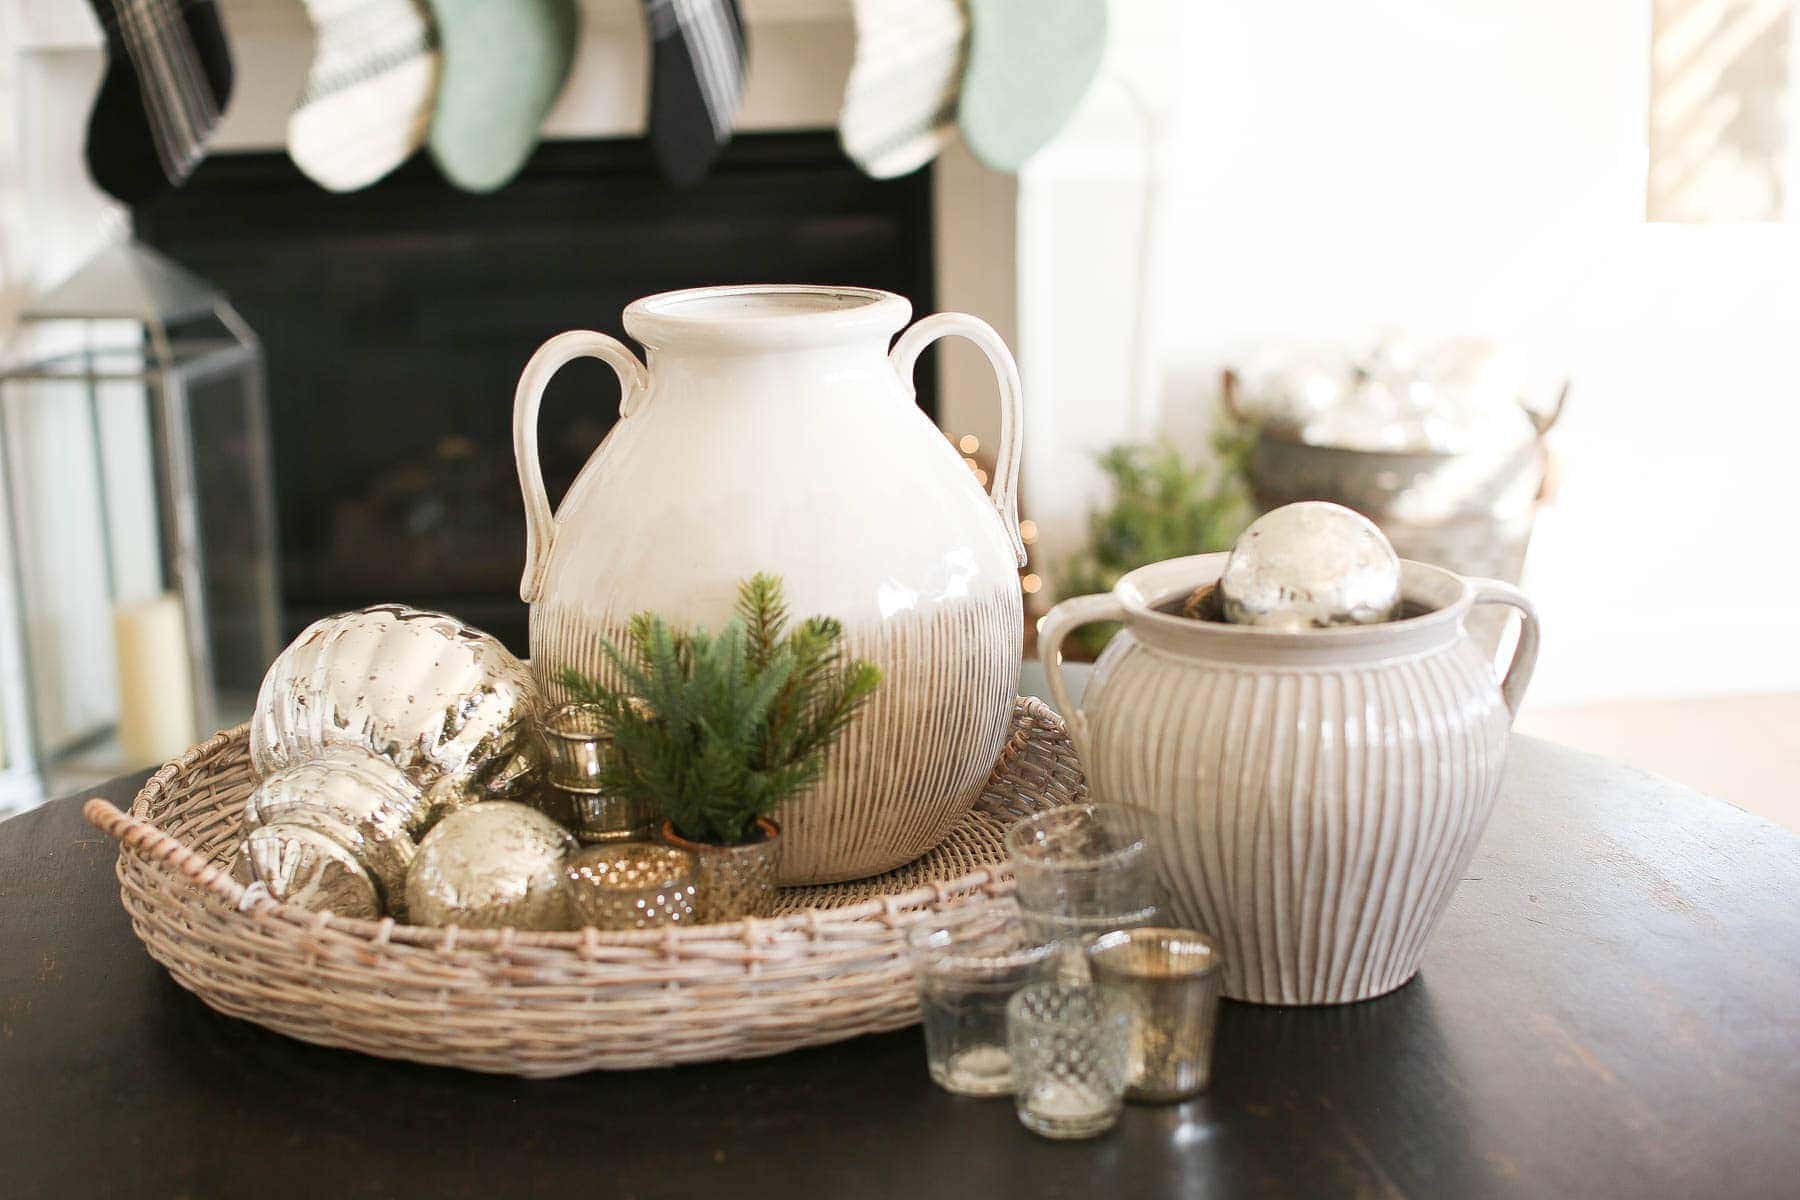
<point>967,966</point>
<point>1070,1045</point>
<point>1168,982</point>
<point>1085,861</point>
<point>1081,931</point>
<point>631,885</point>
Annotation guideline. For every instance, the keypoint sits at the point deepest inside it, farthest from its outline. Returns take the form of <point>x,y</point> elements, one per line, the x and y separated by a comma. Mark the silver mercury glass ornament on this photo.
<point>368,728</point>
<point>444,702</point>
<point>334,832</point>
<point>489,866</point>
<point>1311,565</point>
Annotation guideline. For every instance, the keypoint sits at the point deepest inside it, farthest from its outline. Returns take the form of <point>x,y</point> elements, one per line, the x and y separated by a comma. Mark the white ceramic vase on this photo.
<point>771,429</point>
<point>1324,789</point>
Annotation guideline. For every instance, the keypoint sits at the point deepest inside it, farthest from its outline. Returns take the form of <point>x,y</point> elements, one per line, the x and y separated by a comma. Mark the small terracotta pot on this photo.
<point>733,881</point>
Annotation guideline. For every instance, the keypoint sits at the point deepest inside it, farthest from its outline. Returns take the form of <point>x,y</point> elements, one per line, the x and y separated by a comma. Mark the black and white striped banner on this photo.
<point>178,98</point>
<point>698,54</point>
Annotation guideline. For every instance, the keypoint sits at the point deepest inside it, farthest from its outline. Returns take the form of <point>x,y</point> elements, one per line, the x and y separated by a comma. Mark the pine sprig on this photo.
<point>763,610</point>
<point>716,730</point>
<point>1162,507</point>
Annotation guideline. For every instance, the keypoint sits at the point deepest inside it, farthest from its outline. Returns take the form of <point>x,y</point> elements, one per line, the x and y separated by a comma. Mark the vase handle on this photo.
<point>540,522</point>
<point>1524,655</point>
<point>1005,488</point>
<point>1058,624</point>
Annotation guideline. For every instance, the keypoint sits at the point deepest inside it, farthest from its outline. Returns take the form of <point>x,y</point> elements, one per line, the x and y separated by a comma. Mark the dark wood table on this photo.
<point>1611,1008</point>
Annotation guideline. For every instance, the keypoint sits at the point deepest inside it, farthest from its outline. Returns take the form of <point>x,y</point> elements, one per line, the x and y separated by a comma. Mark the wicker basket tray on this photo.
<point>831,965</point>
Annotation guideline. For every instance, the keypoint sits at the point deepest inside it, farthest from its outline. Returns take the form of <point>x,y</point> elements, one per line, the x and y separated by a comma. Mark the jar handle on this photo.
<point>1005,488</point>
<point>540,522</point>
<point>1058,624</point>
<point>1524,655</point>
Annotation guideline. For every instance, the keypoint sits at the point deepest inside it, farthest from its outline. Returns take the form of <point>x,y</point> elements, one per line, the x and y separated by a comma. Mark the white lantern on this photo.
<point>138,599</point>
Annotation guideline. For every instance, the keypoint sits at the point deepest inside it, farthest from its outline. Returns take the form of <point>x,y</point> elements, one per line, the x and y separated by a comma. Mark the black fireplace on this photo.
<point>395,321</point>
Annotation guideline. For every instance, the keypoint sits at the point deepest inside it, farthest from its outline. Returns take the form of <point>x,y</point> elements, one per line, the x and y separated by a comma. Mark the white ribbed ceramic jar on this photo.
<point>772,430</point>
<point>1324,789</point>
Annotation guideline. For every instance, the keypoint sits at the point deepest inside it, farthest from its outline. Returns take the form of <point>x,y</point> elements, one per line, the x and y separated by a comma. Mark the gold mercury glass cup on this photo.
<point>631,885</point>
<point>575,743</point>
<point>1167,981</point>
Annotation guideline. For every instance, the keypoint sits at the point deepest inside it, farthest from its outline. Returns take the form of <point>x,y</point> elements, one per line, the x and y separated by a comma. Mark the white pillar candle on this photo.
<point>156,694</point>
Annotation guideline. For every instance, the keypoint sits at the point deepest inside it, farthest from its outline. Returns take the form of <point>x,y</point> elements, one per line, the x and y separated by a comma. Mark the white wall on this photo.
<point>1478,166</point>
<point>1457,166</point>
<point>52,218</point>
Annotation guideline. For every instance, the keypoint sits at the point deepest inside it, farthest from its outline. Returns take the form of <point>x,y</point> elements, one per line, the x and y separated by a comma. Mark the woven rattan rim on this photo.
<point>1034,722</point>
<point>549,1004</point>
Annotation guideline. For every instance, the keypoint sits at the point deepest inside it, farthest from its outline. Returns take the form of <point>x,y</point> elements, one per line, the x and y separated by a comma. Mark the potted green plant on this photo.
<point>1163,506</point>
<point>715,731</point>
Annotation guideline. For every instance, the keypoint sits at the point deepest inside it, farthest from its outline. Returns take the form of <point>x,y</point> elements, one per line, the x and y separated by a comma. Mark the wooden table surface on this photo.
<point>1610,1008</point>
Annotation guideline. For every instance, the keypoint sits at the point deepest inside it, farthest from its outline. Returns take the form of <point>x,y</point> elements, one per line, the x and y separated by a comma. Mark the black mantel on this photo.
<point>396,320</point>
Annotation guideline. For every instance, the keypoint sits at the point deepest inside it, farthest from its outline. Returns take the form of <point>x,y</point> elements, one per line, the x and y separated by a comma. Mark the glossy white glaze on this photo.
<point>1324,788</point>
<point>772,431</point>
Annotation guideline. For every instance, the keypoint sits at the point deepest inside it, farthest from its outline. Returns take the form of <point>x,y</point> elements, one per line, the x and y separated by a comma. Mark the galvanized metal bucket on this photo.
<point>1469,512</point>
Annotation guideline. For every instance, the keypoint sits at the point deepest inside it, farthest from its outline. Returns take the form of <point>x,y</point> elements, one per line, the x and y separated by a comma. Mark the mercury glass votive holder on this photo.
<point>736,881</point>
<point>575,745</point>
<point>967,965</point>
<point>575,739</point>
<point>1070,1052</point>
<point>631,885</point>
<point>1168,982</point>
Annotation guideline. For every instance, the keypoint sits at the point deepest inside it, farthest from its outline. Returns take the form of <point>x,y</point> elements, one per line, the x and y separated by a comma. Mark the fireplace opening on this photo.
<point>395,321</point>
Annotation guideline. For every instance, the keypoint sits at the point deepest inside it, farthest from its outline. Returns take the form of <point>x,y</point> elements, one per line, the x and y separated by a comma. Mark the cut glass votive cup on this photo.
<point>1167,981</point>
<point>967,966</point>
<point>1070,1048</point>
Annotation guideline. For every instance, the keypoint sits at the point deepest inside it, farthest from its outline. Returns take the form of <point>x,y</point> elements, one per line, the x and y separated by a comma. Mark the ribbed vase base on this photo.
<point>1271,999</point>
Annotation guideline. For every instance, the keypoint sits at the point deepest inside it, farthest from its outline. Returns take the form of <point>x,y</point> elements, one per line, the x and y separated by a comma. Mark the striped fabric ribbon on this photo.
<point>900,101</point>
<point>360,40</point>
<point>369,92</point>
<point>715,47</point>
<point>179,101</point>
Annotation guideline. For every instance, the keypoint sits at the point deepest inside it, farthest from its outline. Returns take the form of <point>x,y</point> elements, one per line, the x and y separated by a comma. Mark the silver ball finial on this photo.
<point>1311,565</point>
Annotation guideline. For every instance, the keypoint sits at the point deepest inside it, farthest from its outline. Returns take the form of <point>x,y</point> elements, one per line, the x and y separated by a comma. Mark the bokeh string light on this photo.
<point>969,445</point>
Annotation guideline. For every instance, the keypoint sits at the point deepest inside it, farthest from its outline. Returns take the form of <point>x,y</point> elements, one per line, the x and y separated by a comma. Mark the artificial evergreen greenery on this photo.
<point>1163,507</point>
<point>716,730</point>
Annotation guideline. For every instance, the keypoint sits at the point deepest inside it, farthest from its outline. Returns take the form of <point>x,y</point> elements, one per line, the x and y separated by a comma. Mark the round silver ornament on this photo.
<point>1311,565</point>
<point>442,701</point>
<point>334,832</point>
<point>491,865</point>
<point>1393,396</point>
<point>369,727</point>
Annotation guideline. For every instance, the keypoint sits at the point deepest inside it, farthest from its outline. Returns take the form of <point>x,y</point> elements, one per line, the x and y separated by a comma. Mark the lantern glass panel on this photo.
<point>62,574</point>
<point>235,519</point>
<point>139,568</point>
